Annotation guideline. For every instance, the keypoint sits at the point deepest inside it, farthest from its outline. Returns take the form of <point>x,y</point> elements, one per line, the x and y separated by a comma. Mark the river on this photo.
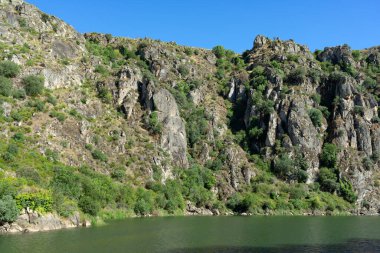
<point>207,234</point>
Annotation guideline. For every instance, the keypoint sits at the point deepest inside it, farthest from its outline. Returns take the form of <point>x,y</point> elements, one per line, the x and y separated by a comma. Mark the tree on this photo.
<point>89,205</point>
<point>33,85</point>
<point>8,209</point>
<point>329,155</point>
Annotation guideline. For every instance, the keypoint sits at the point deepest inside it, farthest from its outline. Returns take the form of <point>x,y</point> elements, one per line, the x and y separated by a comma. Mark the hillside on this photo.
<point>98,126</point>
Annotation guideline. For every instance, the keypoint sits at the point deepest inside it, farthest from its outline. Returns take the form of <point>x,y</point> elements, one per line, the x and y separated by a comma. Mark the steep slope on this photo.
<point>138,126</point>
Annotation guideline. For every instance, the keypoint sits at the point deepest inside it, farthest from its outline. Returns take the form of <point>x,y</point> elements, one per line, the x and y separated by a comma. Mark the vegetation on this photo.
<point>9,69</point>
<point>316,117</point>
<point>6,86</point>
<point>33,85</point>
<point>8,209</point>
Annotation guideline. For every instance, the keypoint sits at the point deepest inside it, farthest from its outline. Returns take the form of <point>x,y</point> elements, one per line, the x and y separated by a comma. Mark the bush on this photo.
<point>9,69</point>
<point>58,115</point>
<point>316,98</point>
<point>316,117</point>
<point>33,85</point>
<point>66,182</point>
<point>89,205</point>
<point>219,51</point>
<point>19,94</point>
<point>183,70</point>
<point>6,86</point>
<point>367,163</point>
<point>347,191</point>
<point>99,155</point>
<point>104,94</point>
<point>101,69</point>
<point>296,76</point>
<point>154,125</point>
<point>8,209</point>
<point>40,201</point>
<point>145,202</point>
<point>328,180</point>
<point>329,155</point>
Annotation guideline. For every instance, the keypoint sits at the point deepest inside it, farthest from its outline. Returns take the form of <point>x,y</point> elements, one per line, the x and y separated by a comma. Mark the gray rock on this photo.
<point>173,136</point>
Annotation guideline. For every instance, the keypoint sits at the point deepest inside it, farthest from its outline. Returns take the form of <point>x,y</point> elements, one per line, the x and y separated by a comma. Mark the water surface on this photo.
<point>208,234</point>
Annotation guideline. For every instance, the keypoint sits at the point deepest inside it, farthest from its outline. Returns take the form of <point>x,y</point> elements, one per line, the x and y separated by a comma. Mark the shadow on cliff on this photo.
<point>352,246</point>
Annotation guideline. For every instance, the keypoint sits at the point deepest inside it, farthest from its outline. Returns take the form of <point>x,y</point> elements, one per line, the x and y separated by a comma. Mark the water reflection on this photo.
<point>352,246</point>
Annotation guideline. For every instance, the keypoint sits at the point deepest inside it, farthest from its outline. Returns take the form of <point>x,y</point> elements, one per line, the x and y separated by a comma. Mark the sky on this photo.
<point>231,23</point>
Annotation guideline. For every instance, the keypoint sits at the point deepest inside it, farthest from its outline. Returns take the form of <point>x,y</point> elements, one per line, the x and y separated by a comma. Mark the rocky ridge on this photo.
<point>277,129</point>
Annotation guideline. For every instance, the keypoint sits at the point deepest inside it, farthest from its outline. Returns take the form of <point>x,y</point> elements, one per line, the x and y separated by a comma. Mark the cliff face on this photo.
<point>276,130</point>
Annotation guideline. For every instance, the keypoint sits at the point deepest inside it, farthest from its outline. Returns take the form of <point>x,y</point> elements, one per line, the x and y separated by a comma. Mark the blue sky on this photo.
<point>233,24</point>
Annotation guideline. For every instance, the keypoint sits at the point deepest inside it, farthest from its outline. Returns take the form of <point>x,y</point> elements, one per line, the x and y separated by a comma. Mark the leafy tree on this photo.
<point>89,205</point>
<point>33,85</point>
<point>329,155</point>
<point>145,202</point>
<point>8,209</point>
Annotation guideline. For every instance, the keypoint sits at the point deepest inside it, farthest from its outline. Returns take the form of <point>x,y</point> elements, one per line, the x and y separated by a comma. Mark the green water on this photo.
<point>208,234</point>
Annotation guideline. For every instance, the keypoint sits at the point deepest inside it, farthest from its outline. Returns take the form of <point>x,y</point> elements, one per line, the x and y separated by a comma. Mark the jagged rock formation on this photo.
<point>240,132</point>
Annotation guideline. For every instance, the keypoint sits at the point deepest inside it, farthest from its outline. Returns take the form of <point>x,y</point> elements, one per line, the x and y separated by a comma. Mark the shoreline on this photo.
<point>27,223</point>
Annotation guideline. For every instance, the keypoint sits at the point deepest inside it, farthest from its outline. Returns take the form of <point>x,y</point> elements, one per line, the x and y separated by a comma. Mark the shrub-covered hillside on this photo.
<point>98,126</point>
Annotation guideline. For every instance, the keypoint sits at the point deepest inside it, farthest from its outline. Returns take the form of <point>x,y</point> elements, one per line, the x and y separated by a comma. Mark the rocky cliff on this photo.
<point>139,126</point>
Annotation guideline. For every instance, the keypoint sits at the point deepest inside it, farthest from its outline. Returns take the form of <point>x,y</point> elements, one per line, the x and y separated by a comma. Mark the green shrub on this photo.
<point>19,137</point>
<point>316,117</point>
<point>367,163</point>
<point>89,205</point>
<point>9,69</point>
<point>58,115</point>
<point>328,180</point>
<point>328,156</point>
<point>356,54</point>
<point>347,192</point>
<point>145,202</point>
<point>51,99</point>
<point>219,51</point>
<point>104,94</point>
<point>12,149</point>
<point>154,125</point>
<point>8,209</point>
<point>39,201</point>
<point>101,69</point>
<point>316,97</point>
<point>183,70</point>
<point>6,86</point>
<point>296,76</point>
<point>19,94</point>
<point>33,85</point>
<point>189,51</point>
<point>99,155</point>
<point>66,182</point>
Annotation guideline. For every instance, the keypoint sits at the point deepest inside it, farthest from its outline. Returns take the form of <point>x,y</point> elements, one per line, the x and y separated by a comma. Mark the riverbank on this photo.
<point>30,221</point>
